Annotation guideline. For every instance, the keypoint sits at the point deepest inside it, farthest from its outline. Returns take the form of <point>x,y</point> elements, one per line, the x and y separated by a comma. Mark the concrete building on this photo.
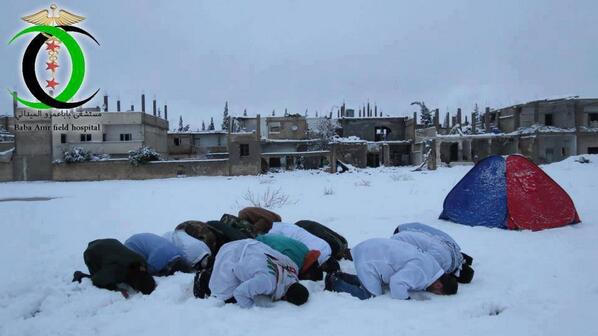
<point>286,142</point>
<point>244,153</point>
<point>374,129</point>
<point>293,154</point>
<point>200,144</point>
<point>382,139</point>
<point>544,130</point>
<point>250,124</point>
<point>108,133</point>
<point>42,137</point>
<point>550,130</point>
<point>286,128</point>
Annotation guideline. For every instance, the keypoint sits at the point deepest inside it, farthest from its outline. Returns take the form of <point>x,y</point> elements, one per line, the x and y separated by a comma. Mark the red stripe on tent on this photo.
<point>535,201</point>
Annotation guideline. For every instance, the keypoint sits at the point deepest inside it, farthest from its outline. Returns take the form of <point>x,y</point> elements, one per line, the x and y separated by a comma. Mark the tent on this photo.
<point>509,193</point>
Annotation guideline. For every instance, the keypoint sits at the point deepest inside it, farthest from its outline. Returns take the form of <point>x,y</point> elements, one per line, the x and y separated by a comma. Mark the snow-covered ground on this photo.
<point>526,283</point>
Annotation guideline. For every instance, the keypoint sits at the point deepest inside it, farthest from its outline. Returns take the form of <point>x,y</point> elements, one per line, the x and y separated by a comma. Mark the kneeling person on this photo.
<point>196,253</point>
<point>306,260</point>
<point>245,269</point>
<point>312,242</point>
<point>163,257</point>
<point>261,218</point>
<point>112,264</point>
<point>338,244</point>
<point>402,267</point>
<point>442,247</point>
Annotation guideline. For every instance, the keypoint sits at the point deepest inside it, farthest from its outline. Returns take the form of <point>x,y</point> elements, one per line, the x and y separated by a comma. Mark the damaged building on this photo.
<point>544,130</point>
<point>33,144</point>
<point>373,141</point>
<point>286,142</point>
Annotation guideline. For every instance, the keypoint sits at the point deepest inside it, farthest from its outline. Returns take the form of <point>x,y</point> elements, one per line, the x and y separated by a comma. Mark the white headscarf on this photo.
<point>194,250</point>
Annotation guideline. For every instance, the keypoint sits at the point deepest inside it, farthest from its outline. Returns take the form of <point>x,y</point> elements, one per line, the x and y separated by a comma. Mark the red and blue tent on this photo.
<point>509,193</point>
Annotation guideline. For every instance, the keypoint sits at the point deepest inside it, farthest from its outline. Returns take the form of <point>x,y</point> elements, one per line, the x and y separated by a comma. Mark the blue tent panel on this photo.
<point>480,198</point>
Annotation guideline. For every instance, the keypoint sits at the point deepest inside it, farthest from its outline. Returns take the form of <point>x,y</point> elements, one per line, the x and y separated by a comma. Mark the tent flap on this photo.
<point>535,201</point>
<point>480,198</point>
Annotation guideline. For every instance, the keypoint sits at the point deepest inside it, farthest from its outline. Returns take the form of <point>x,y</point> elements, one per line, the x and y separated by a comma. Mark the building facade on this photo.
<point>42,137</point>
<point>108,133</point>
<point>202,144</point>
<point>544,130</point>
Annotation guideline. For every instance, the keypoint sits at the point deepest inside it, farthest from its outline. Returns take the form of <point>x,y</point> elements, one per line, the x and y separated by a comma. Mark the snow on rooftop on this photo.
<point>536,128</point>
<point>268,140</point>
<point>199,132</point>
<point>588,129</point>
<point>296,153</point>
<point>350,139</point>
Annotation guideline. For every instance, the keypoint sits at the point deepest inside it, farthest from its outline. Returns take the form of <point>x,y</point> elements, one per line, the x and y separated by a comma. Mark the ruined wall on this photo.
<point>553,148</point>
<point>185,144</point>
<point>508,120</point>
<point>352,153</point>
<point>527,115</point>
<point>365,128</point>
<point>509,146</point>
<point>33,142</point>
<point>484,147</point>
<point>399,154</point>
<point>587,142</point>
<point>410,127</point>
<point>480,149</point>
<point>527,146</point>
<point>563,113</point>
<point>244,165</point>
<point>156,138</point>
<point>287,128</point>
<point>5,171</point>
<point>314,162</point>
<point>584,109</point>
<point>123,170</point>
<point>417,155</point>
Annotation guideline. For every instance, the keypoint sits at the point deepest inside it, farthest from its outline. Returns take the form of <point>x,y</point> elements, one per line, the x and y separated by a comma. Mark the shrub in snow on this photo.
<point>77,154</point>
<point>363,183</point>
<point>267,181</point>
<point>328,191</point>
<point>269,199</point>
<point>143,155</point>
<point>401,177</point>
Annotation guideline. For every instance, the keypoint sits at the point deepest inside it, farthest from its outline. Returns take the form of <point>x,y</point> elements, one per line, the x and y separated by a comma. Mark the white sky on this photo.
<point>272,54</point>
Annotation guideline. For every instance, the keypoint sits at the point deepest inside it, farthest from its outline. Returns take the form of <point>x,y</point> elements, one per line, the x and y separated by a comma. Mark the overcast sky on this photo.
<point>265,55</point>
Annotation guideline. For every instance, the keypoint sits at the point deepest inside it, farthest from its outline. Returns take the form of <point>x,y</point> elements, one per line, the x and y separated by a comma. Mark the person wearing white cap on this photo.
<point>196,253</point>
<point>311,241</point>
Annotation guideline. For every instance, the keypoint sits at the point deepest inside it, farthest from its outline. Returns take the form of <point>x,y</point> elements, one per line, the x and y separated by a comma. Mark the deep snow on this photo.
<point>526,283</point>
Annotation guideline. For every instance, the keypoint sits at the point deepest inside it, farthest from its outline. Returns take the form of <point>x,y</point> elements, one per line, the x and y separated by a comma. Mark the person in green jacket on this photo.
<point>305,259</point>
<point>111,264</point>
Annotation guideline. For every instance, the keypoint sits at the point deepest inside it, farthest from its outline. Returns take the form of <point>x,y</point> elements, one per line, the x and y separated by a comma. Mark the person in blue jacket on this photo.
<point>163,257</point>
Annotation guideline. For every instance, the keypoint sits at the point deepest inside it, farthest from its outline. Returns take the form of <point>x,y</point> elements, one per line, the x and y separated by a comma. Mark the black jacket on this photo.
<point>108,261</point>
<point>338,243</point>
